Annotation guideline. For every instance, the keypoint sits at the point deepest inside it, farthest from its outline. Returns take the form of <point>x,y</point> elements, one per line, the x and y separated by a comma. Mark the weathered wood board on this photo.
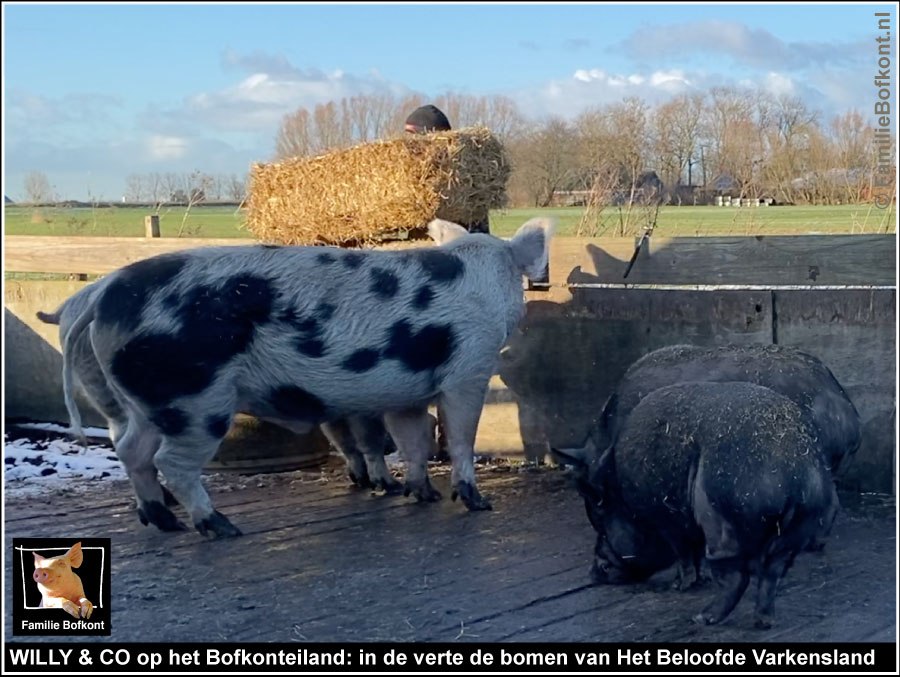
<point>815,260</point>
<point>321,562</point>
<point>774,260</point>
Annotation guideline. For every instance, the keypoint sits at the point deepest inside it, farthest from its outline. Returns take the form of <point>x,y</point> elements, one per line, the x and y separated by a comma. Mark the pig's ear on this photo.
<point>443,232</point>
<point>600,467</point>
<point>37,559</point>
<point>75,556</point>
<point>531,246</point>
<point>577,457</point>
<point>580,458</point>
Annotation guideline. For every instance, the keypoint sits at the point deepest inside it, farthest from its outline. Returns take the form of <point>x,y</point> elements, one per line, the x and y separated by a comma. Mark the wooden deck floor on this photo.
<point>320,562</point>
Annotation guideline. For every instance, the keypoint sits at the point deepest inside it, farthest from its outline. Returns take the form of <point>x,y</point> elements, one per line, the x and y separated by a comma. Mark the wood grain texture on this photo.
<point>321,562</point>
<point>814,260</point>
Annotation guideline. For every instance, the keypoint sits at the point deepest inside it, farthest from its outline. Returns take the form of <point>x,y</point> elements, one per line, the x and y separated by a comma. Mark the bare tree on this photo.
<point>216,186</point>
<point>327,128</point>
<point>544,159</point>
<point>852,138</point>
<point>197,184</point>
<point>384,115</point>
<point>156,191</point>
<point>237,187</point>
<point>135,187</point>
<point>503,117</point>
<point>728,107</point>
<point>37,188</point>
<point>628,126</point>
<point>172,185</point>
<point>294,137</point>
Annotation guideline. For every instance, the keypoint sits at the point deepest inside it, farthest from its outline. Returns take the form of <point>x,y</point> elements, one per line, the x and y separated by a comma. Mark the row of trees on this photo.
<point>158,188</point>
<point>363,118</point>
<point>184,187</point>
<point>726,140</point>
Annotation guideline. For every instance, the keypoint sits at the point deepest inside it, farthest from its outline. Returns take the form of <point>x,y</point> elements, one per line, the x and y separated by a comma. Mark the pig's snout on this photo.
<point>40,576</point>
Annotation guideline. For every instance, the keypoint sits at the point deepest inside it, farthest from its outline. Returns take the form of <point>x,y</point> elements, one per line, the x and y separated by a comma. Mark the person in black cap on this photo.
<point>426,119</point>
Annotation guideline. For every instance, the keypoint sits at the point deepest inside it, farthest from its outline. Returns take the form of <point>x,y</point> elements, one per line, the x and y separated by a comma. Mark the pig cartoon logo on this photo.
<point>59,585</point>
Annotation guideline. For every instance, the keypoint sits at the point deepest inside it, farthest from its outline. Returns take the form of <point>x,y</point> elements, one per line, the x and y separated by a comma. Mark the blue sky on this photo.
<point>93,93</point>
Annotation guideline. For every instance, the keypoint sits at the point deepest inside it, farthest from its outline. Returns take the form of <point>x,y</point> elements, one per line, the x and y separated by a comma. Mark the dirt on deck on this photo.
<point>321,562</point>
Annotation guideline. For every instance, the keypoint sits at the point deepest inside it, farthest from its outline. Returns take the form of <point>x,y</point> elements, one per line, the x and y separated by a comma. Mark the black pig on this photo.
<point>730,471</point>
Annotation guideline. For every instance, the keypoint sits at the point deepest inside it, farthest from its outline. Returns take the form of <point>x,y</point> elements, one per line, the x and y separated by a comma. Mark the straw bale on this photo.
<point>372,191</point>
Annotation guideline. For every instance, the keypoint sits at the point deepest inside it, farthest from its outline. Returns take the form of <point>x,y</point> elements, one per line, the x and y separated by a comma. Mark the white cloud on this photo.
<point>166,147</point>
<point>671,81</point>
<point>258,101</point>
<point>779,84</point>
<point>755,47</point>
<point>590,87</point>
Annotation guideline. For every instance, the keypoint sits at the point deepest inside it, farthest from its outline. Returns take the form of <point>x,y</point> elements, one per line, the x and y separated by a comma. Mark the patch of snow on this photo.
<point>33,467</point>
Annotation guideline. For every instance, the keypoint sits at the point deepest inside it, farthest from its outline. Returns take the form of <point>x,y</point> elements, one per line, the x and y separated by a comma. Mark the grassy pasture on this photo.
<point>672,221</point>
<point>698,221</point>
<point>123,221</point>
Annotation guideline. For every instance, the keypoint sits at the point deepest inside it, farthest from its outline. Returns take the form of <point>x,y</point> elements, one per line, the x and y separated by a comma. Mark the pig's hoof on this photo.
<point>155,513</point>
<point>71,608</point>
<point>389,485</point>
<point>361,481</point>
<point>763,622</point>
<point>217,526</point>
<point>424,493</point>
<point>169,498</point>
<point>470,497</point>
<point>86,608</point>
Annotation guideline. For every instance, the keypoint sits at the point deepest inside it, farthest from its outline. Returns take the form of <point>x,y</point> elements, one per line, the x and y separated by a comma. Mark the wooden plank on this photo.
<point>95,255</point>
<point>814,260</point>
<point>102,255</point>
<point>326,563</point>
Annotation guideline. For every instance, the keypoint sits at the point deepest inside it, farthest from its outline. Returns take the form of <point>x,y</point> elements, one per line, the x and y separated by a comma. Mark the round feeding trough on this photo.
<point>255,446</point>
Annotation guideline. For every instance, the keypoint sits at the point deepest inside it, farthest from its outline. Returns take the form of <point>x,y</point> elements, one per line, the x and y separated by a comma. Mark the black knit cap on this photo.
<point>427,119</point>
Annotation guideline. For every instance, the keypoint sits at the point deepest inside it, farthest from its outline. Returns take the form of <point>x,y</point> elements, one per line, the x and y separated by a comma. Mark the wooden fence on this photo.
<point>815,261</point>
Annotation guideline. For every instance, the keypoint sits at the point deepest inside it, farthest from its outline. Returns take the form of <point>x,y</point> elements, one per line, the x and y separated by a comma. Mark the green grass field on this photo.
<point>694,221</point>
<point>672,221</point>
<point>123,222</point>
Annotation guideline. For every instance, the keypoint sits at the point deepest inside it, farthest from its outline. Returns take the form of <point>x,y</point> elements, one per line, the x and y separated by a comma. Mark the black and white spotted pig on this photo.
<point>301,336</point>
<point>730,471</point>
<point>361,440</point>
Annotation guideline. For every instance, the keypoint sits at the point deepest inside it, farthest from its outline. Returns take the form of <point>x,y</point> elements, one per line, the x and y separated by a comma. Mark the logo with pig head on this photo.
<point>50,598</point>
<point>59,585</point>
